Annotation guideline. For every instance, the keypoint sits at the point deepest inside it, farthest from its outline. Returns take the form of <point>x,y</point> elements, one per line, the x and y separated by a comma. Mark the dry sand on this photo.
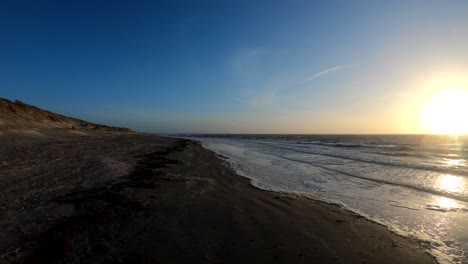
<point>145,199</point>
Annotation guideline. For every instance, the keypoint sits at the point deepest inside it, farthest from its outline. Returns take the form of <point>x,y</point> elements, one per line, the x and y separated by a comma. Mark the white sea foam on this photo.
<point>406,199</point>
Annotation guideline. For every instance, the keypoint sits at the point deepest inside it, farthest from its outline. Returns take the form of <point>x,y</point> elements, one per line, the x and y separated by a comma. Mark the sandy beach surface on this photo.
<point>135,198</point>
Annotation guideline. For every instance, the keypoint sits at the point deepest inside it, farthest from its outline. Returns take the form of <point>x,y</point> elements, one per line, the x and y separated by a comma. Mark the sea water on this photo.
<point>416,185</point>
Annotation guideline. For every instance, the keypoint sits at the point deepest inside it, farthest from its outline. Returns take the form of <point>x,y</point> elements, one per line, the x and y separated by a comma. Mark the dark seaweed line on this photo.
<point>56,241</point>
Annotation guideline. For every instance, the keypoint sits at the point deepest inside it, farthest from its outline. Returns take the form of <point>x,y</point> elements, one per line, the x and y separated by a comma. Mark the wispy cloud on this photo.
<point>271,95</point>
<point>324,72</point>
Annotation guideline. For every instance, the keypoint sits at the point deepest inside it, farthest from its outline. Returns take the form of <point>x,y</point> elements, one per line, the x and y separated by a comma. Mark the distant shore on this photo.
<point>137,198</point>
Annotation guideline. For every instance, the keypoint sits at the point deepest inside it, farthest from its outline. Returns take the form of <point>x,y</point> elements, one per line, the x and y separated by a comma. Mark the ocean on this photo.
<point>416,185</point>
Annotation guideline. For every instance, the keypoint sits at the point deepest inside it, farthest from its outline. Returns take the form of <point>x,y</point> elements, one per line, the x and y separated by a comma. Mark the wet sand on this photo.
<point>146,199</point>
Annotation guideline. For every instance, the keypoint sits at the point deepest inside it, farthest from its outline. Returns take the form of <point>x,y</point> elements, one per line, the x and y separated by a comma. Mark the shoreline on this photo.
<point>441,258</point>
<point>181,202</point>
<point>306,199</point>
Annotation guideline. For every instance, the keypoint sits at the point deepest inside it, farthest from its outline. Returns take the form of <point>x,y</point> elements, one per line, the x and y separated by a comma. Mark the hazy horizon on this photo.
<point>244,67</point>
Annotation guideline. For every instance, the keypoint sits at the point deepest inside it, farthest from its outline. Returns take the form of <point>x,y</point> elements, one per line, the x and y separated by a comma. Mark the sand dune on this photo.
<point>18,116</point>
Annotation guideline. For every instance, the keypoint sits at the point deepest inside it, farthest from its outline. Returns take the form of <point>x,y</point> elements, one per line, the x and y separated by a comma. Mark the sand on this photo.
<point>145,199</point>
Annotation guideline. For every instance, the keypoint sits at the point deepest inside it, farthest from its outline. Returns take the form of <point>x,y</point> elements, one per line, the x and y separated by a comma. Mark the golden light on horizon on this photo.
<point>446,112</point>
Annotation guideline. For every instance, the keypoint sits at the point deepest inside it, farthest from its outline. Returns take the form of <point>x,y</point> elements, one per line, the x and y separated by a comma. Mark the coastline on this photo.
<point>177,201</point>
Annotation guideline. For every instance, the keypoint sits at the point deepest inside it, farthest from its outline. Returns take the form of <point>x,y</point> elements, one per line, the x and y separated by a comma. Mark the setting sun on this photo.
<point>446,112</point>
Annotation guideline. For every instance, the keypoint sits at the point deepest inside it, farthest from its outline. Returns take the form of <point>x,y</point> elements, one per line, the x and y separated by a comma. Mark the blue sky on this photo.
<point>234,66</point>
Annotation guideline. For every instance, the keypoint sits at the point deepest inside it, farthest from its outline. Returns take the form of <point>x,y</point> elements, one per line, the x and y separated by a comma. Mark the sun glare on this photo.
<point>446,112</point>
<point>451,183</point>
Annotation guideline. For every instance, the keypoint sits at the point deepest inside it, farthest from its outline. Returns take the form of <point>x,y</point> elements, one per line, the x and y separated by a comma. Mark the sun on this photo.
<point>447,112</point>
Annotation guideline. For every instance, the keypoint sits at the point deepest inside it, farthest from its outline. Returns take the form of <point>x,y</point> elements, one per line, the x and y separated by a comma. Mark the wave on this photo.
<point>420,166</point>
<point>447,150</point>
<point>445,209</point>
<point>359,145</point>
<point>405,185</point>
<point>399,154</point>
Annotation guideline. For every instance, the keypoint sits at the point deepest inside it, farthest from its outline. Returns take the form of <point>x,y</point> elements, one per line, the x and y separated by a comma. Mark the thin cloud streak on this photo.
<point>270,96</point>
<point>324,72</point>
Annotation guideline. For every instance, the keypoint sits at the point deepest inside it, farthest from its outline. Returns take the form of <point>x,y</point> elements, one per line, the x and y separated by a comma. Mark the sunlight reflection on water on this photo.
<point>446,202</point>
<point>453,162</point>
<point>440,227</point>
<point>451,183</point>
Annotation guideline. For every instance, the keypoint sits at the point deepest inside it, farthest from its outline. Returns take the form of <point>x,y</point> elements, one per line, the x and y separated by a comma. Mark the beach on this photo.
<point>139,198</point>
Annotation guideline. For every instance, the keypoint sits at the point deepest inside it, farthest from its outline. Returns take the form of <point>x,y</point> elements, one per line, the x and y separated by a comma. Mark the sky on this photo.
<point>235,66</point>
